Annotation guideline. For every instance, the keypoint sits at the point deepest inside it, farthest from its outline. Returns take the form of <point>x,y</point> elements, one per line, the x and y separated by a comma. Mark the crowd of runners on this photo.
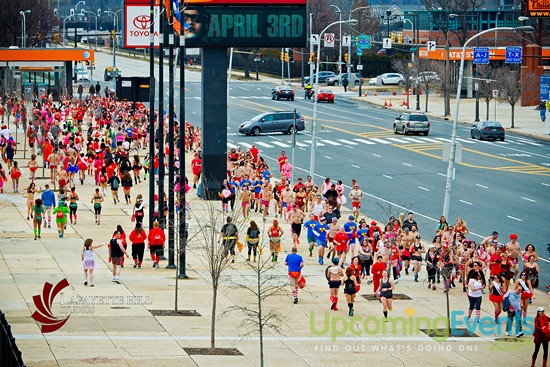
<point>99,142</point>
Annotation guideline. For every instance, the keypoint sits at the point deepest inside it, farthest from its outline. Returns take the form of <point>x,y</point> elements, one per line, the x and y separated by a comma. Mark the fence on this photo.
<point>10,355</point>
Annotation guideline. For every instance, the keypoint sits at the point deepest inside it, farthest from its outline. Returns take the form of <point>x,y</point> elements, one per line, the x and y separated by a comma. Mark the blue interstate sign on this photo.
<point>481,55</point>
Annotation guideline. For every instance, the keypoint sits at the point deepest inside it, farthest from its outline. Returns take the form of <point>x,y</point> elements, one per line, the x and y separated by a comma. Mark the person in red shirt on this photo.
<point>541,335</point>
<point>156,240</point>
<point>196,167</point>
<point>138,237</point>
<point>298,185</point>
<point>495,261</point>
<point>254,151</point>
<point>47,150</point>
<point>341,241</point>
<point>376,271</point>
<point>281,160</point>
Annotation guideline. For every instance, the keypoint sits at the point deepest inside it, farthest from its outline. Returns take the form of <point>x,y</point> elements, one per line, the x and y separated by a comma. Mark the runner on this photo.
<point>295,263</point>
<point>117,252</point>
<point>266,196</point>
<point>246,198</point>
<point>38,210</point>
<point>137,237</point>
<point>114,182</point>
<point>88,261</point>
<point>321,230</point>
<point>385,291</point>
<point>416,251</point>
<point>15,174</point>
<point>33,166</point>
<point>296,217</point>
<point>61,212</point>
<point>377,270</point>
<point>432,261</point>
<point>350,283</point>
<point>524,284</point>
<point>73,205</point>
<point>252,240</point>
<point>31,191</point>
<point>340,245</point>
<point>97,199</point>
<point>310,225</point>
<point>475,292</point>
<point>514,252</point>
<point>541,336</point>
<point>334,276</point>
<point>156,240</point>
<point>275,232</point>
<point>497,291</point>
<point>126,183</point>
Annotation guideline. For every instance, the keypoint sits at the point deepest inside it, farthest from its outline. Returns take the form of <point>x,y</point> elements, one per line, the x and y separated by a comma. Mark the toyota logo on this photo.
<point>142,21</point>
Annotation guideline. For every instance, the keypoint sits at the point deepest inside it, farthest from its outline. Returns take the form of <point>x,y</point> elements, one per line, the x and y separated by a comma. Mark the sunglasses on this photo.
<point>193,17</point>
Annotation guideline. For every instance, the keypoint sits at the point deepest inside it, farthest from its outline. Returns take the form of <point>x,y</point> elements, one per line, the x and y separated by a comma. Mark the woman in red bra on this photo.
<point>275,232</point>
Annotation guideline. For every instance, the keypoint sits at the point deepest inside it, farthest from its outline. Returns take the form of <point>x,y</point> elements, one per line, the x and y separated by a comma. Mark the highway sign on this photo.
<point>545,87</point>
<point>363,42</point>
<point>513,55</point>
<point>314,39</point>
<point>346,41</point>
<point>329,40</point>
<point>481,55</point>
<point>386,43</point>
<point>358,52</point>
<point>431,46</point>
<point>359,67</point>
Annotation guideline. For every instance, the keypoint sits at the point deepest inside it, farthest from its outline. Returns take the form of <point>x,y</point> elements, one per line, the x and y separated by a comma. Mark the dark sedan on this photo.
<point>488,130</point>
<point>282,92</point>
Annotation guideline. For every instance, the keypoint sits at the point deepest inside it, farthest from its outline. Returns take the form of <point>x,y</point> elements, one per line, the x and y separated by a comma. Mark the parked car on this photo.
<point>323,75</point>
<point>111,73</point>
<point>373,81</point>
<point>355,79</point>
<point>82,74</point>
<point>281,91</point>
<point>325,95</point>
<point>488,130</point>
<point>392,78</point>
<point>277,121</point>
<point>411,122</point>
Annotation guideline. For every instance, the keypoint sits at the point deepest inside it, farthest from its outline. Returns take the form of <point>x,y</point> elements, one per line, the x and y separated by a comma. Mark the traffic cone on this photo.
<point>385,103</point>
<point>390,105</point>
<point>375,93</point>
<point>366,94</point>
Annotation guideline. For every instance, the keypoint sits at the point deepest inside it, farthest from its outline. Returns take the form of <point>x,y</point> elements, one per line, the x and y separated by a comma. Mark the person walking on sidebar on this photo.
<point>542,110</point>
<point>541,335</point>
<point>345,83</point>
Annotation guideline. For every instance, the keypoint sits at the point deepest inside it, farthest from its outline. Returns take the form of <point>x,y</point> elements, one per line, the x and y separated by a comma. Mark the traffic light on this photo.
<point>281,55</point>
<point>392,36</point>
<point>346,58</point>
<point>286,56</point>
<point>400,38</point>
<point>113,34</point>
<point>259,56</point>
<point>313,57</point>
<point>56,37</point>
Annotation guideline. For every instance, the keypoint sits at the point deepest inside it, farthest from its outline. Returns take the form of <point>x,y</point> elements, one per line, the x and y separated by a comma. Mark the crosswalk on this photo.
<point>234,142</point>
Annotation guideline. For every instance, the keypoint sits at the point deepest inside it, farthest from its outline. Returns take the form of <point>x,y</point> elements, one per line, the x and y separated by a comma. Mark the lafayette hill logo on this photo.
<point>43,315</point>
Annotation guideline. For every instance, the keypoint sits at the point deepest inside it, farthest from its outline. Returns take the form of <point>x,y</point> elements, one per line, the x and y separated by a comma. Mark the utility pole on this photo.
<point>151,115</point>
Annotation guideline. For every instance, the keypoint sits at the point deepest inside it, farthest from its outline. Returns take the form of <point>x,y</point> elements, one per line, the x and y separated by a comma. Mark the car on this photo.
<point>323,75</point>
<point>373,81</point>
<point>488,130</point>
<point>281,91</point>
<point>356,79</point>
<point>111,73</point>
<point>412,122</point>
<point>276,121</point>
<point>325,95</point>
<point>82,74</point>
<point>392,78</point>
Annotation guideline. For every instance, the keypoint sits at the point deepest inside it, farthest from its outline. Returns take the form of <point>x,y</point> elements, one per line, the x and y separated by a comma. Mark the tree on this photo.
<point>211,252</point>
<point>39,22</point>
<point>427,81</point>
<point>487,86</point>
<point>405,68</point>
<point>509,88</point>
<point>266,283</point>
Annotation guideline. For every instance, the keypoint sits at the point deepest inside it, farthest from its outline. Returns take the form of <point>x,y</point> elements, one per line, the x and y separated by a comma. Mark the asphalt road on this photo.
<point>503,186</point>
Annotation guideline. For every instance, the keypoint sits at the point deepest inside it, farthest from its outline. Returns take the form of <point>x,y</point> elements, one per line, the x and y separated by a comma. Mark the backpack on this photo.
<point>327,273</point>
<point>506,304</point>
<point>115,183</point>
<point>59,214</point>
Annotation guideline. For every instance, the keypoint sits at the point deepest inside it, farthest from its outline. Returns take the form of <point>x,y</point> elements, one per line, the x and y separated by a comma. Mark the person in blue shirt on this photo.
<point>245,182</point>
<point>320,231</point>
<point>48,200</point>
<point>350,227</point>
<point>295,263</point>
<point>363,231</point>
<point>310,225</point>
<point>233,184</point>
<point>256,188</point>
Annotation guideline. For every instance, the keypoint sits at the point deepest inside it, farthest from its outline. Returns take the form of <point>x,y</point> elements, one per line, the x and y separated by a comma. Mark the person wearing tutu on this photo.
<point>88,260</point>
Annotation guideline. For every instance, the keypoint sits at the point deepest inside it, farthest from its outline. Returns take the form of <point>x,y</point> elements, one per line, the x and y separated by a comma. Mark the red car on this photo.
<point>325,95</point>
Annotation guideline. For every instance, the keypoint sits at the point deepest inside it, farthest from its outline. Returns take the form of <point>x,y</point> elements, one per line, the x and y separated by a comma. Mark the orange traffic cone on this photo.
<point>385,103</point>
<point>390,105</point>
<point>366,94</point>
<point>375,93</point>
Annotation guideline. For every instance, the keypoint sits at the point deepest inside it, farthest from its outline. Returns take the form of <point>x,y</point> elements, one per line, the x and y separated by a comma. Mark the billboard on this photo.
<point>538,8</point>
<point>137,21</point>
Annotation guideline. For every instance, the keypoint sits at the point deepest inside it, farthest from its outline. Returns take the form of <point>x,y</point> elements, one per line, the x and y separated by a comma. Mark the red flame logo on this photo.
<point>43,315</point>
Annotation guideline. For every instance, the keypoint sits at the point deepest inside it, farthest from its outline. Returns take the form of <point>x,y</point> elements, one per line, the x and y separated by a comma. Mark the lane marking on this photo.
<point>407,164</point>
<point>245,144</point>
<point>466,202</point>
<point>545,184</point>
<point>364,141</point>
<point>233,146</point>
<point>327,157</point>
<point>330,142</point>
<point>482,186</point>
<point>514,218</point>
<point>376,155</point>
<point>400,141</point>
<point>381,141</point>
<point>387,176</point>
<point>319,144</point>
<point>423,188</point>
<point>280,144</point>
<point>264,144</point>
<point>531,200</point>
<point>353,165</point>
<point>441,174</point>
<point>345,141</point>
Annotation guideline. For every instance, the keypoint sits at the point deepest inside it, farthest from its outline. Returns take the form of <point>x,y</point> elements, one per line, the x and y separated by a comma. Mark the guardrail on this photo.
<point>10,355</point>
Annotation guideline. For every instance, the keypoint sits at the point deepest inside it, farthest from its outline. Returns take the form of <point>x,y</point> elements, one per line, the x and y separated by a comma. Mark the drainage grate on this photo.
<point>396,296</point>
<point>215,352</point>
<point>174,313</point>
<point>455,333</point>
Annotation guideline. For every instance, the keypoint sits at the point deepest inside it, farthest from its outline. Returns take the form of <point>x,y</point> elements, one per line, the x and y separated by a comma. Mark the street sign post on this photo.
<point>315,39</point>
<point>329,39</point>
<point>386,43</point>
<point>431,46</point>
<point>513,55</point>
<point>346,41</point>
<point>481,55</point>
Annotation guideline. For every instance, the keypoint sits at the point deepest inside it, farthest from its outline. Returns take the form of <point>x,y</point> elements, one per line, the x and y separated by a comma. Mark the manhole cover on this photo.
<point>215,352</point>
<point>455,333</point>
<point>174,313</point>
<point>396,296</point>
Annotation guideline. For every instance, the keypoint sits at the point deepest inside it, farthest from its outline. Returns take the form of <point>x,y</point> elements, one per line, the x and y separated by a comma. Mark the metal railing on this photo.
<point>10,355</point>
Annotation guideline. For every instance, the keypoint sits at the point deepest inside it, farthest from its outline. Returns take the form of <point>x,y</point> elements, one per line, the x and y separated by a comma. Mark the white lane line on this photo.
<point>466,141</point>
<point>376,155</point>
<point>530,143</point>
<point>302,144</point>
<point>260,143</point>
<point>412,140</point>
<point>387,176</point>
<point>302,148</point>
<point>442,174</point>
<point>545,184</point>
<point>232,145</point>
<point>429,140</point>
<point>353,165</point>
<point>245,144</point>
<point>466,202</point>
<point>381,141</point>
<point>319,144</point>
<point>482,186</point>
<point>364,141</point>
<point>444,139</point>
<point>423,188</point>
<point>400,141</point>
<point>407,164</point>
<point>531,200</point>
<point>345,141</point>
<point>327,157</point>
<point>330,142</point>
<point>280,144</point>
<point>514,218</point>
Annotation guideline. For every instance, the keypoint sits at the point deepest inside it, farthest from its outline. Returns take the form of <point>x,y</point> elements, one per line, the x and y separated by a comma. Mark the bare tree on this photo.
<point>427,80</point>
<point>38,22</point>
<point>486,86</point>
<point>266,283</point>
<point>509,88</point>
<point>211,252</point>
<point>405,67</point>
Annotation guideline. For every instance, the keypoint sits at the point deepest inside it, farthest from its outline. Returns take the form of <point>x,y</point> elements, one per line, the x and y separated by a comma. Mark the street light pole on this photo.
<point>71,14</point>
<point>447,101</point>
<point>496,25</point>
<point>339,12</point>
<point>314,125</point>
<point>452,157</point>
<point>388,14</point>
<point>75,23</point>
<point>95,16</point>
<point>24,28</point>
<point>114,14</point>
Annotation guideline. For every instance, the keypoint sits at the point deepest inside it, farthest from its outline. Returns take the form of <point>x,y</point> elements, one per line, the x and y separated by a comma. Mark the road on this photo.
<point>503,186</point>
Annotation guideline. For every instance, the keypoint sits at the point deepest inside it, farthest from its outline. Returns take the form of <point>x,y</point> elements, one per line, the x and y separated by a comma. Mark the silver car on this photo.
<point>412,122</point>
<point>276,121</point>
